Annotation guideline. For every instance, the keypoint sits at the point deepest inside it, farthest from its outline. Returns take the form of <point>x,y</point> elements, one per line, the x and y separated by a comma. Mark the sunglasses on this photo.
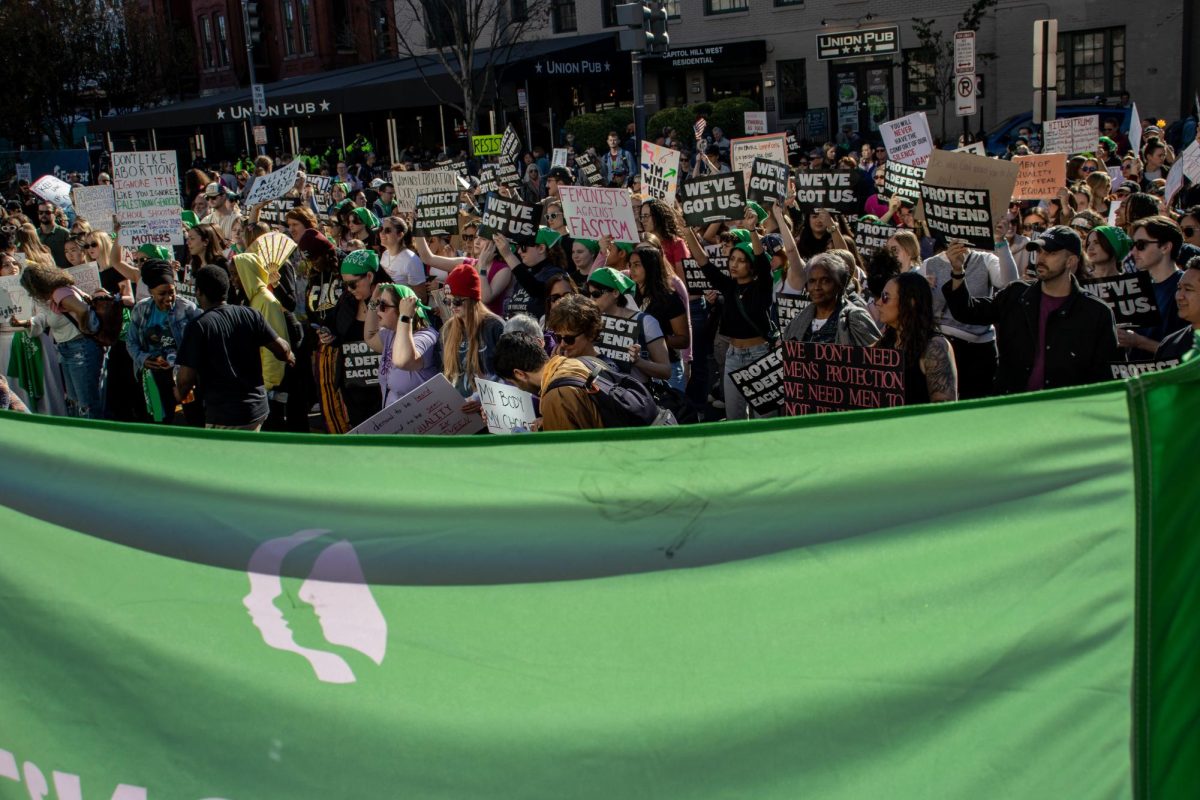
<point>1142,244</point>
<point>388,306</point>
<point>1034,228</point>
<point>467,238</point>
<point>1189,232</point>
<point>1087,169</point>
<point>597,293</point>
<point>89,245</point>
<point>352,284</point>
<point>567,338</point>
<point>885,298</point>
<point>458,301</point>
<point>554,216</point>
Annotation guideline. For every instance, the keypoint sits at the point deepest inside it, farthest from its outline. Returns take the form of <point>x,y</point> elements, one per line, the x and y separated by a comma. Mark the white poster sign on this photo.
<point>273,185</point>
<point>52,190</point>
<point>508,409</point>
<point>756,122</point>
<point>660,171</point>
<point>743,151</point>
<point>1072,135</point>
<point>95,204</point>
<point>87,277</point>
<point>433,408</point>
<point>14,300</point>
<point>146,197</point>
<point>591,212</point>
<point>908,139</point>
<point>411,183</point>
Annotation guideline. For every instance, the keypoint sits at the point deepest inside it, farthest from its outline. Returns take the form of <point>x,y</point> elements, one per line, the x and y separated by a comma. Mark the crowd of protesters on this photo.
<point>318,322</point>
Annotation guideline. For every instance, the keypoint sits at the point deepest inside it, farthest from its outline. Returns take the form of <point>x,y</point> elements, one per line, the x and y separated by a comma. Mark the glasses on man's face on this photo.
<point>458,301</point>
<point>1142,244</point>
<point>567,338</point>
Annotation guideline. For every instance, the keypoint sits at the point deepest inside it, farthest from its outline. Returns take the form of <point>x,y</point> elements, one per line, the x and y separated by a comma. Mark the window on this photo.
<point>222,42</point>
<point>779,3</point>
<point>672,8</point>
<point>793,88</point>
<point>439,21</point>
<point>381,31</point>
<point>1091,63</point>
<point>562,15</point>
<point>610,13</point>
<point>289,27</point>
<point>305,26</point>
<point>520,10</point>
<point>206,42</point>
<point>920,79</point>
<point>725,6</point>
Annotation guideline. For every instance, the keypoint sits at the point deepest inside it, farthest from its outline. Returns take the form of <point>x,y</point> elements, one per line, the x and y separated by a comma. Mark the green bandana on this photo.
<point>758,210</point>
<point>369,220</point>
<point>591,245</point>
<point>360,262</point>
<point>403,291</point>
<point>155,251</point>
<point>547,236</point>
<point>189,219</point>
<point>609,278</point>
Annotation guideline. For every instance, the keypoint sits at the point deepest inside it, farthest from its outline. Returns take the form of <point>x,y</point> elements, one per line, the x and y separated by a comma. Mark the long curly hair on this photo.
<point>657,287</point>
<point>915,325</point>
<point>666,223</point>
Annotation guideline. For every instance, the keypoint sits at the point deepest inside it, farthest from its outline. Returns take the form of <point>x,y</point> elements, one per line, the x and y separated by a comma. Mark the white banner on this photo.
<point>508,409</point>
<point>1072,135</point>
<point>273,185</point>
<point>433,408</point>
<point>146,197</point>
<point>908,139</point>
<point>755,121</point>
<point>95,204</point>
<point>409,184</point>
<point>52,190</point>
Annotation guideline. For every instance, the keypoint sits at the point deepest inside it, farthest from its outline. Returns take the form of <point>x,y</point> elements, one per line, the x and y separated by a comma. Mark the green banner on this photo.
<point>991,599</point>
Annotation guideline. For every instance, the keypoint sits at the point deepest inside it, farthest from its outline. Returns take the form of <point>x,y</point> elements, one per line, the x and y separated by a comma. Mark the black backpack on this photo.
<point>622,400</point>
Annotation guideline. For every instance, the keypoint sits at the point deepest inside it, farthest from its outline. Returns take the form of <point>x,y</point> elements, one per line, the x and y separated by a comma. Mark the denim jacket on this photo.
<point>183,312</point>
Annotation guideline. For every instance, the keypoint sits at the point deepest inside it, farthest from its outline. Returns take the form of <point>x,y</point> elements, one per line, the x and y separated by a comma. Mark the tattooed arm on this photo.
<point>941,374</point>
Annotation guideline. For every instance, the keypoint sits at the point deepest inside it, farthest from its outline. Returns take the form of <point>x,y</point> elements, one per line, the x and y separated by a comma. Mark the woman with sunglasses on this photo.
<point>575,322</point>
<point>398,328</point>
<point>1106,248</point>
<point>648,357</point>
<point>364,227</point>
<point>399,260</point>
<point>358,374</point>
<point>906,309</point>
<point>532,266</point>
<point>468,343</point>
<point>1189,223</point>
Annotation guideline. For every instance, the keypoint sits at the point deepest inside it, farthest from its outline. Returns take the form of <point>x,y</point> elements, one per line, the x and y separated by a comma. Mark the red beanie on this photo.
<point>464,282</point>
<point>313,244</point>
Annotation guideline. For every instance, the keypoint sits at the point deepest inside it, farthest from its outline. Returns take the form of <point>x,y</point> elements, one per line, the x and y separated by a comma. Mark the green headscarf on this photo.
<point>369,220</point>
<point>1118,240</point>
<point>547,236</point>
<point>403,291</point>
<point>189,219</point>
<point>611,279</point>
<point>592,245</point>
<point>758,210</point>
<point>157,251</point>
<point>740,235</point>
<point>360,262</point>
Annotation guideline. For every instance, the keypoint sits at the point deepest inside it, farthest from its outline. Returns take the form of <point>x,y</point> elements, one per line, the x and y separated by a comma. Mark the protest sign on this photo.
<point>14,300</point>
<point>437,214</point>
<point>275,213</point>
<point>1117,175</point>
<point>787,306</point>
<point>714,198</point>
<point>1113,207</point>
<point>559,157</point>
<point>592,212</point>
<point>694,277</point>
<point>819,377</point>
<point>902,180</point>
<point>1130,295</point>
<point>459,168</point>
<point>616,337</point>
<point>433,408</point>
<point>411,183</point>
<point>510,146</point>
<point>1122,369</point>
<point>507,175</point>
<point>1039,177</point>
<point>273,185</point>
<point>322,192</point>
<point>488,182</point>
<point>52,190</point>
<point>976,148</point>
<point>768,182</point>
<point>1135,129</point>
<point>827,188</point>
<point>516,221</point>
<point>507,408</point>
<point>870,237</point>
<point>360,365</point>
<point>959,214</point>
<point>793,145</point>
<point>486,145</point>
<point>146,197</point>
<point>87,277</point>
<point>761,382</point>
<point>1187,165</point>
<point>589,170</point>
<point>24,172</point>
<point>755,121</point>
<point>660,171</point>
<point>95,204</point>
<point>743,151</point>
<point>965,171</point>
<point>907,139</point>
<point>1072,135</point>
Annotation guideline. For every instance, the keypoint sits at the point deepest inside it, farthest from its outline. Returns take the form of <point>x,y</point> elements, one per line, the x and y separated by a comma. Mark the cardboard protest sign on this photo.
<point>486,145</point>
<point>660,171</point>
<point>589,170</point>
<point>761,382</point>
<point>827,188</point>
<point>966,171</point>
<point>433,408</point>
<point>1122,369</point>
<point>714,198</point>
<point>1039,177</point>
<point>273,185</point>
<point>516,221</point>
<point>870,237</point>
<point>902,180</point>
<point>437,214</point>
<point>459,168</point>
<point>755,121</point>
<point>616,337</point>
<point>743,151</point>
<point>787,306</point>
<point>977,148</point>
<point>507,408</point>
<point>411,183</point>
<point>1130,295</point>
<point>14,300</point>
<point>146,197</point>
<point>959,214</point>
<point>819,377</point>
<point>360,365</point>
<point>1071,135</point>
<point>52,190</point>
<point>95,204</point>
<point>592,212</point>
<point>87,277</point>
<point>768,182</point>
<point>908,139</point>
<point>510,146</point>
<point>507,175</point>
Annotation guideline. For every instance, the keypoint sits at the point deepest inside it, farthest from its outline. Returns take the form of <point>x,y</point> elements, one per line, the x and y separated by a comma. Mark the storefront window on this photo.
<point>793,87</point>
<point>725,6</point>
<point>920,80</point>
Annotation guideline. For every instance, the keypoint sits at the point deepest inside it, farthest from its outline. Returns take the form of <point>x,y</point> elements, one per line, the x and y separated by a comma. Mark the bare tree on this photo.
<point>468,41</point>
<point>939,51</point>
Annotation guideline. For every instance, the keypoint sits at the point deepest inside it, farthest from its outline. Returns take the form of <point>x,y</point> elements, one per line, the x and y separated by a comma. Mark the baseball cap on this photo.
<point>213,190</point>
<point>1057,237</point>
<point>561,174</point>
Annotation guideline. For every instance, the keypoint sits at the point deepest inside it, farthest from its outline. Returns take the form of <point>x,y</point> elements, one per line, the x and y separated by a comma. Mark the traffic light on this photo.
<point>253,24</point>
<point>646,27</point>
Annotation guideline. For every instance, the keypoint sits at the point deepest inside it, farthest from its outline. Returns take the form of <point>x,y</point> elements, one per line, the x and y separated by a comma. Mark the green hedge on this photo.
<point>725,114</point>
<point>591,130</point>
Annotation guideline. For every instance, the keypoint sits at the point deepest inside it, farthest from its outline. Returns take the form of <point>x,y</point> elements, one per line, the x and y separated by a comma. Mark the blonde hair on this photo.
<point>466,326</point>
<point>35,252</point>
<point>909,244</point>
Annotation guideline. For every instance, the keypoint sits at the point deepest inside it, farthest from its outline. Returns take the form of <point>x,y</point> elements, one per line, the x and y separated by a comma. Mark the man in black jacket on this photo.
<point>1050,333</point>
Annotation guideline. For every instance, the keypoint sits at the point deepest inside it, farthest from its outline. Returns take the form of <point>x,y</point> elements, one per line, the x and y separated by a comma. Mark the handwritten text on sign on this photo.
<point>433,408</point>
<point>273,185</point>
<point>146,197</point>
<point>1041,176</point>
<point>1071,135</point>
<point>411,183</point>
<point>821,377</point>
<point>508,409</point>
<point>660,171</point>
<point>908,139</point>
<point>592,212</point>
<point>95,204</point>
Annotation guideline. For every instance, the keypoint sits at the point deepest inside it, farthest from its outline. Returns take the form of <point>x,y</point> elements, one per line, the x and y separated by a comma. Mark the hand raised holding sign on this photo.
<point>956,254</point>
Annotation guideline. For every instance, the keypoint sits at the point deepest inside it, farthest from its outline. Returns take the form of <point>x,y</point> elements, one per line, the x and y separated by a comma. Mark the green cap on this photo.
<point>740,235</point>
<point>547,236</point>
<point>624,247</point>
<point>403,291</point>
<point>758,210</point>
<point>868,218</point>
<point>746,248</point>
<point>592,245</point>
<point>156,251</point>
<point>1118,240</point>
<point>611,279</point>
<point>189,219</point>
<point>360,262</point>
<point>344,186</point>
<point>1109,143</point>
<point>369,220</point>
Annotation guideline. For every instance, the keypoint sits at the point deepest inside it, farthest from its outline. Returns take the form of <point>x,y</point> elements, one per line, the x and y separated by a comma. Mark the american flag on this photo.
<point>700,126</point>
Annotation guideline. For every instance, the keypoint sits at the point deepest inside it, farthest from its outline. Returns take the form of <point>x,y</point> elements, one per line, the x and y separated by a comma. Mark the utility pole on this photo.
<point>646,33</point>
<point>252,27</point>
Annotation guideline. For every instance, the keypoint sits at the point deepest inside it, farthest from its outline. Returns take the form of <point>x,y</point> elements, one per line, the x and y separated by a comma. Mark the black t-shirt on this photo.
<point>664,310</point>
<point>222,346</point>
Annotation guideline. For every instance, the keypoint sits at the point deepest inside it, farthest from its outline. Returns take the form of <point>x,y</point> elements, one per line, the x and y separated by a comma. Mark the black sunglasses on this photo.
<point>595,293</point>
<point>1189,232</point>
<point>458,301</point>
<point>1142,244</point>
<point>352,284</point>
<point>567,338</point>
